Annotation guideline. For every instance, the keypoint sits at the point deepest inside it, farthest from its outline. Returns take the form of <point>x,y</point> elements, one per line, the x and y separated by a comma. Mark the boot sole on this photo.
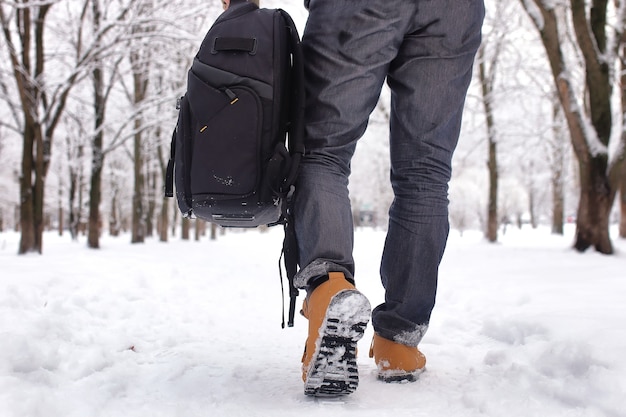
<point>333,370</point>
<point>399,376</point>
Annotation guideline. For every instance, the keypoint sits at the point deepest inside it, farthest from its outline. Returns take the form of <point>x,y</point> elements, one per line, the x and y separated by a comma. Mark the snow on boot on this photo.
<point>338,314</point>
<point>396,362</point>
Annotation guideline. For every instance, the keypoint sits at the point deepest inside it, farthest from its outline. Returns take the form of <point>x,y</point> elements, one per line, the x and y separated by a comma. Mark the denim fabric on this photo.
<point>425,50</point>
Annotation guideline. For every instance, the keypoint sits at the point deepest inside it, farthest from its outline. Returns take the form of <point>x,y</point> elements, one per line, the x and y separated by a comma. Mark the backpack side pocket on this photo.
<point>226,141</point>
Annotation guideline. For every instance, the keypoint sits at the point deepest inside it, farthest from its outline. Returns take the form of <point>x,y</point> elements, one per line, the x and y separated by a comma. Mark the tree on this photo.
<point>101,93</point>
<point>558,154</point>
<point>41,103</point>
<point>75,140</point>
<point>185,227</point>
<point>97,157</point>
<point>622,224</point>
<point>487,79</point>
<point>621,176</point>
<point>488,57</point>
<point>139,56</point>
<point>163,222</point>
<point>590,126</point>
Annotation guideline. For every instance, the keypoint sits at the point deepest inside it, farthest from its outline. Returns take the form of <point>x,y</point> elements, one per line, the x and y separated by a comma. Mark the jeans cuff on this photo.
<point>318,268</point>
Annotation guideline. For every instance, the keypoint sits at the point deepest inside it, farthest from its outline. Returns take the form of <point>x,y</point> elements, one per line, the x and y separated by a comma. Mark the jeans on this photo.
<point>425,50</point>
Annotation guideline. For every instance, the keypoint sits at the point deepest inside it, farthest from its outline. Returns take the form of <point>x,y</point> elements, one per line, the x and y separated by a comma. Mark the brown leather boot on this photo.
<point>396,362</point>
<point>338,315</point>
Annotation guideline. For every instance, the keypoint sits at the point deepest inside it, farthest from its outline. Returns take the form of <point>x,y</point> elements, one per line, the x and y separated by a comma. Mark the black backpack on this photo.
<point>239,137</point>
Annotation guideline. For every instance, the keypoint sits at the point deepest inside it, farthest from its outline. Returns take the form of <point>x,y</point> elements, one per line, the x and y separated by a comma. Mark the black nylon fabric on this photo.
<point>227,133</point>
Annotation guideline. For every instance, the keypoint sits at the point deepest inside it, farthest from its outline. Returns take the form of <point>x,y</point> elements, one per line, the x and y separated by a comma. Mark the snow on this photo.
<point>535,13</point>
<point>526,327</point>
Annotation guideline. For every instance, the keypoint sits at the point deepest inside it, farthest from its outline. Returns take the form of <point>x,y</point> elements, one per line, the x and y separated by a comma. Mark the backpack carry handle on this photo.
<point>230,44</point>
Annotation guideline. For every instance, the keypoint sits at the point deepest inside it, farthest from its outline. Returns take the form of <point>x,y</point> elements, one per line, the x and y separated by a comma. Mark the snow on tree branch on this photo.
<point>534,12</point>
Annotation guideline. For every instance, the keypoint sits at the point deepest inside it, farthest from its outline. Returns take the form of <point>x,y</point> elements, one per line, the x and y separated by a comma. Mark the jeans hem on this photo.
<point>318,268</point>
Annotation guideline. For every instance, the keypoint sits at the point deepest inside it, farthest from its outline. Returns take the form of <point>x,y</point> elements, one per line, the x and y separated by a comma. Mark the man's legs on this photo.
<point>426,49</point>
<point>429,80</point>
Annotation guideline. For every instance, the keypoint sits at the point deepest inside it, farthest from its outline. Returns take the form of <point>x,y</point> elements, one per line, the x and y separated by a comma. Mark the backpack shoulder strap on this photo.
<point>296,150</point>
<point>296,127</point>
<point>169,173</point>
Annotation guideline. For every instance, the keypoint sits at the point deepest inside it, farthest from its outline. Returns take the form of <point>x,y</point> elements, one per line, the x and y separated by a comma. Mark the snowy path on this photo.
<point>523,328</point>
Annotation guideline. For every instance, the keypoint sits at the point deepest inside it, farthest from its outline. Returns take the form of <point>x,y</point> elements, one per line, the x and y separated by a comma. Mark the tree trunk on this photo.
<point>185,228</point>
<point>164,215</point>
<point>596,196</point>
<point>140,84</point>
<point>95,190</point>
<point>60,224</point>
<point>200,229</point>
<point>174,221</point>
<point>557,169</point>
<point>152,190</point>
<point>558,204</point>
<point>114,222</point>
<point>97,154</point>
<point>76,179</point>
<point>16,218</point>
<point>95,195</point>
<point>534,222</point>
<point>27,216</point>
<point>42,162</point>
<point>621,172</point>
<point>138,221</point>
<point>164,221</point>
<point>492,204</point>
<point>486,81</point>
<point>32,189</point>
<point>592,223</point>
<point>213,231</point>
<point>622,223</point>
<point>139,61</point>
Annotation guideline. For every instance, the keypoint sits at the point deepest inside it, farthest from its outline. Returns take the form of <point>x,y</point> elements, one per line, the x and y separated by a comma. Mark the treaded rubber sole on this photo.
<point>400,377</point>
<point>333,370</point>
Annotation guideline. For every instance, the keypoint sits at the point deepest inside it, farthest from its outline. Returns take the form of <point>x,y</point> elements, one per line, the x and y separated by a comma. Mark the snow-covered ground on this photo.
<point>526,327</point>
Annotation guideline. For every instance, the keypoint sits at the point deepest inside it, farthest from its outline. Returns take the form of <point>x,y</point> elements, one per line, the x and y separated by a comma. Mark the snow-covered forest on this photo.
<point>87,105</point>
<point>524,327</point>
